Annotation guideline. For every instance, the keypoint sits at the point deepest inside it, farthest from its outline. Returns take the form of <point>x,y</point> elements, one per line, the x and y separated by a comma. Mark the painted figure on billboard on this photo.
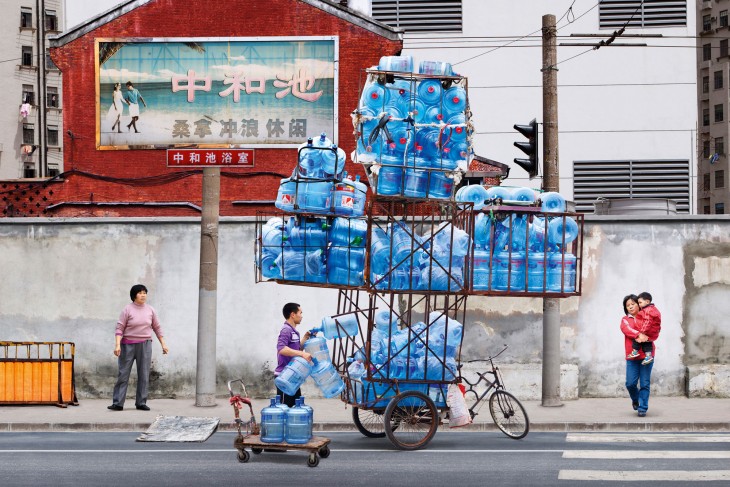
<point>114,115</point>
<point>133,97</point>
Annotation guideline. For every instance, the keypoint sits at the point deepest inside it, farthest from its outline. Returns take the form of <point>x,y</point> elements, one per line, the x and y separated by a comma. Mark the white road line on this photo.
<point>647,438</point>
<point>228,450</point>
<point>636,454</point>
<point>644,475</point>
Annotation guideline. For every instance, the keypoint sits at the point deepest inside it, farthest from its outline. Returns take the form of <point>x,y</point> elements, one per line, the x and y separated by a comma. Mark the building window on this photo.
<point>53,171</point>
<point>614,14</point>
<point>705,116</point>
<point>723,48</point>
<point>719,145</point>
<point>27,56</point>
<point>706,23</point>
<point>706,182</point>
<point>52,135</point>
<point>28,134</point>
<point>26,18</point>
<point>28,95</point>
<point>28,172</point>
<point>719,208</point>
<point>719,113</point>
<point>718,80</point>
<point>419,16</point>
<point>706,149</point>
<point>723,18</point>
<point>707,209</point>
<point>719,179</point>
<point>52,97</point>
<point>706,52</point>
<point>51,20</point>
<point>51,65</point>
<point>705,84</point>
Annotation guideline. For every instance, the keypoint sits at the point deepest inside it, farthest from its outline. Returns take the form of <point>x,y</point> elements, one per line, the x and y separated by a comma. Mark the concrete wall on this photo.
<point>68,280</point>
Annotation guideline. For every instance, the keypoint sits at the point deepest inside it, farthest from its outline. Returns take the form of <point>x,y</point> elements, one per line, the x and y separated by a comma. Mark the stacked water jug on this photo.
<point>413,130</point>
<point>319,183</point>
<point>280,423</point>
<point>518,249</point>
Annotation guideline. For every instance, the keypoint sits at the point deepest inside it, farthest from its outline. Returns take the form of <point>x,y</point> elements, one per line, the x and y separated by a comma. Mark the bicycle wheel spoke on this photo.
<point>508,414</point>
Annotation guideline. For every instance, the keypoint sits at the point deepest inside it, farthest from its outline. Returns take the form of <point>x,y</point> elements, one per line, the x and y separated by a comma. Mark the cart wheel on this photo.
<point>411,419</point>
<point>324,452</point>
<point>243,456</point>
<point>313,460</point>
<point>509,415</point>
<point>256,451</point>
<point>369,422</point>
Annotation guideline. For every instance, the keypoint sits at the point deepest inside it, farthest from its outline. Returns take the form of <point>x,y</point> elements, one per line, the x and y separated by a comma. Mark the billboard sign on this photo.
<point>210,157</point>
<point>192,92</point>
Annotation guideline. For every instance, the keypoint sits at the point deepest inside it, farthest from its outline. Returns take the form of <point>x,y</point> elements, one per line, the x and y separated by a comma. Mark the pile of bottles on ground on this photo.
<point>413,129</point>
<point>280,423</point>
<point>516,254</point>
<point>319,183</point>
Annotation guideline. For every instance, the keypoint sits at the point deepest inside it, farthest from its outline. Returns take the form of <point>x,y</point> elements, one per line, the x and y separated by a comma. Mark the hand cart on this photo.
<point>317,446</point>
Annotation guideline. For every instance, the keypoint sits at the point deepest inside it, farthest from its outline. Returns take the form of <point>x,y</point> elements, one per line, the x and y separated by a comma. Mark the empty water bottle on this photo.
<point>454,101</point>
<point>274,238</point>
<point>309,409</point>
<point>315,269</point>
<point>291,378</point>
<point>344,194</point>
<point>508,271</point>
<point>352,258</point>
<point>560,228</point>
<point>537,234</point>
<point>419,111</point>
<point>333,162</point>
<point>434,115</point>
<point>344,276</point>
<point>440,186</point>
<point>356,371</point>
<point>340,326</point>
<point>430,91</point>
<point>317,196</point>
<point>379,252</point>
<point>552,202</point>
<point>437,68</point>
<point>375,96</point>
<point>536,271</point>
<point>291,263</point>
<point>386,320</point>
<point>361,193</point>
<point>474,193</point>
<point>523,194</point>
<point>307,236</point>
<point>317,348</point>
<point>286,198</point>
<point>483,228</point>
<point>404,241</point>
<point>498,193</point>
<point>396,63</point>
<point>327,379</point>
<point>268,266</point>
<point>457,127</point>
<point>273,421</point>
<point>348,232</point>
<point>561,272</point>
<point>298,428</point>
<point>480,270</point>
<point>400,94</point>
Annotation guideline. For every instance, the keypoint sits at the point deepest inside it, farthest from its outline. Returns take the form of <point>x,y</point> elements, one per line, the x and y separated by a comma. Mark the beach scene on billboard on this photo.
<point>241,93</point>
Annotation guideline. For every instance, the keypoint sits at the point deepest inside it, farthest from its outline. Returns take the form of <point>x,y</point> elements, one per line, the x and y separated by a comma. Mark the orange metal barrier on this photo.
<point>37,373</point>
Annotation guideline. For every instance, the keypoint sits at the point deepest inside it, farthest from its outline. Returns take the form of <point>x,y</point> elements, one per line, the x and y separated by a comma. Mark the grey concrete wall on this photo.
<point>69,279</point>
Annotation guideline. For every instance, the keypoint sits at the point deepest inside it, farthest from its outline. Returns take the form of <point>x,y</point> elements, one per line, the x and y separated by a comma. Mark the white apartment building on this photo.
<point>31,122</point>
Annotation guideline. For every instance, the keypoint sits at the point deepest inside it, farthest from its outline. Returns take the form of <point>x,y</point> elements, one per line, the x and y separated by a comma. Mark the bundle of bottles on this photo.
<point>413,130</point>
<point>280,423</point>
<point>319,183</point>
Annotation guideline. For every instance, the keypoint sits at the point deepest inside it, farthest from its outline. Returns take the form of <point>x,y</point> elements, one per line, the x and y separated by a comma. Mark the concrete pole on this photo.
<point>208,290</point>
<point>550,182</point>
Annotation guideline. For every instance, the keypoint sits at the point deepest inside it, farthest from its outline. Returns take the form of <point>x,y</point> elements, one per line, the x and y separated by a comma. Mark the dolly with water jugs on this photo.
<point>249,433</point>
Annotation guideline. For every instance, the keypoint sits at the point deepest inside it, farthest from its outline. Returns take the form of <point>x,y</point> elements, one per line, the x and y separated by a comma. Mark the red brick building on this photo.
<point>139,182</point>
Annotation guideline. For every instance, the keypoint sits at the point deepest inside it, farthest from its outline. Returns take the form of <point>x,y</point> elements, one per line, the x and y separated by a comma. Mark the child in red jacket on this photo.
<point>649,321</point>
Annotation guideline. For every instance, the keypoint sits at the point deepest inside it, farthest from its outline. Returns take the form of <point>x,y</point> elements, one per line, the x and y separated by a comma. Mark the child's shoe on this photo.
<point>632,355</point>
<point>649,359</point>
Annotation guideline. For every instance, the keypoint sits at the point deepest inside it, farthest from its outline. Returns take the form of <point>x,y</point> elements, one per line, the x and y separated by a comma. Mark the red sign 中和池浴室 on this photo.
<point>210,157</point>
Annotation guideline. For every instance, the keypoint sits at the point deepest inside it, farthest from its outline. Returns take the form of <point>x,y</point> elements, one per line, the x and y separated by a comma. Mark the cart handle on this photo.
<point>230,389</point>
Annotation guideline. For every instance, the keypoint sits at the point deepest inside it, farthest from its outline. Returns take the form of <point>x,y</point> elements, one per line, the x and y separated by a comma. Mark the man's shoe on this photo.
<point>143,407</point>
<point>647,360</point>
<point>642,414</point>
<point>114,407</point>
<point>635,405</point>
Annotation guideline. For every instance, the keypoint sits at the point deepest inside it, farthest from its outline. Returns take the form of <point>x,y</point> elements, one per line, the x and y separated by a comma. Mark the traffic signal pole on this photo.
<point>550,182</point>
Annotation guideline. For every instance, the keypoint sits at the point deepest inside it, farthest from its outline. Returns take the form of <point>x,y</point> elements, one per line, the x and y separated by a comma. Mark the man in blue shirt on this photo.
<point>133,97</point>
<point>289,345</point>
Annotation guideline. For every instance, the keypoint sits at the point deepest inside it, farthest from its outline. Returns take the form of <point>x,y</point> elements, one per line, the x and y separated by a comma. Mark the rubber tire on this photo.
<point>364,426</point>
<point>243,456</point>
<point>503,406</point>
<point>256,451</point>
<point>403,419</point>
<point>312,460</point>
<point>324,452</point>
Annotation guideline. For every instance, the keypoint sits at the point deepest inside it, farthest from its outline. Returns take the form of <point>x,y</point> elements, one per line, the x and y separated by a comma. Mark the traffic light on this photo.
<point>529,148</point>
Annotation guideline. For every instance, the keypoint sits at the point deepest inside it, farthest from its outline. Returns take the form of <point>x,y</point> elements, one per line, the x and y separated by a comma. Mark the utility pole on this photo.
<point>205,382</point>
<point>550,182</point>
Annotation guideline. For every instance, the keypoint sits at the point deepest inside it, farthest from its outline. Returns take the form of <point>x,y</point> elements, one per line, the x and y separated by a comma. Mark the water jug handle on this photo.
<point>315,330</point>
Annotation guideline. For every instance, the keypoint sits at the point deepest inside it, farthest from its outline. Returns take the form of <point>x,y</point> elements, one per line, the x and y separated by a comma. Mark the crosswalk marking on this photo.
<point>647,438</point>
<point>645,475</point>
<point>644,454</point>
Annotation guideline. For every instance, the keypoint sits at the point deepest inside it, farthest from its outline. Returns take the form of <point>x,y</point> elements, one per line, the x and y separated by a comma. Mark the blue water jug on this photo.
<point>361,194</point>
<point>298,430</point>
<point>402,240</point>
<point>291,263</point>
<point>435,368</point>
<point>333,162</point>
<point>327,379</point>
<point>291,378</point>
<point>274,238</point>
<point>437,68</point>
<point>483,227</point>
<point>430,142</point>
<point>537,234</point>
<point>356,371</point>
<point>419,111</point>
<point>273,424</point>
<point>405,343</point>
<point>438,278</point>
<point>281,406</point>
<point>401,95</point>
<point>386,320</point>
<point>454,102</point>
<point>440,186</point>
<point>352,258</point>
<point>458,152</point>
<point>480,270</point>
<point>457,126</point>
<point>375,96</point>
<point>390,181</point>
<point>344,276</point>
<point>508,271</point>
<point>286,197</point>
<point>401,139</point>
<point>434,115</point>
<point>317,348</point>
<point>396,63</point>
<point>451,239</point>
<point>268,266</point>
<point>552,202</point>
<point>514,228</point>
<point>307,236</point>
<point>379,252</point>
<point>561,272</point>
<point>498,192</point>
<point>416,183</point>
<point>348,232</point>
<point>536,271</point>
<point>314,267</point>
<point>523,194</point>
<point>430,91</point>
<point>344,197</point>
<point>560,227</point>
<point>474,193</point>
<point>317,196</point>
<point>400,278</point>
<point>340,326</point>
<point>309,409</point>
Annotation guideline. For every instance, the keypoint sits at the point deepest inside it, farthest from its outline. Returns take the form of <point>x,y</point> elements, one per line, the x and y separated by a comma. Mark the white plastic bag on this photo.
<point>458,412</point>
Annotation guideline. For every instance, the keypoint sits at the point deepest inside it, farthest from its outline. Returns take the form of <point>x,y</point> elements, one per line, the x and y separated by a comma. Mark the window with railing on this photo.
<point>28,133</point>
<point>26,18</point>
<point>28,95</point>
<point>706,52</point>
<point>27,56</point>
<point>720,178</point>
<point>719,113</point>
<point>52,135</point>
<point>52,100</point>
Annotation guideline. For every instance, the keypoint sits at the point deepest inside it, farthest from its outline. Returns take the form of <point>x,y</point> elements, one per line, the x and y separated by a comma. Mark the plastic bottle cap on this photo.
<point>392,144</point>
<point>431,89</point>
<point>402,91</point>
<point>374,95</point>
<point>439,117</point>
<point>402,140</point>
<point>456,100</point>
<point>459,130</point>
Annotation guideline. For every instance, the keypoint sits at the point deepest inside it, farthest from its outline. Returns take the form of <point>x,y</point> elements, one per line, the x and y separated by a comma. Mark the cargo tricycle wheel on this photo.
<point>324,452</point>
<point>313,460</point>
<point>256,451</point>
<point>411,420</point>
<point>369,422</point>
<point>243,456</point>
<point>509,415</point>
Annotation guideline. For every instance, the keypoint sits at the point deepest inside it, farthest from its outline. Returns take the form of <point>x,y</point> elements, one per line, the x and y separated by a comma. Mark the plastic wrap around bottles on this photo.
<point>298,426</point>
<point>560,227</point>
<point>375,96</point>
<point>348,232</point>
<point>348,326</point>
<point>286,197</point>
<point>327,379</point>
<point>474,193</point>
<point>536,271</point>
<point>317,347</point>
<point>291,263</point>
<point>508,272</point>
<point>430,91</point>
<point>454,101</point>
<point>273,424</point>
<point>396,63</point>
<point>561,272</point>
<point>480,270</point>
<point>498,192</point>
<point>436,68</point>
<point>291,378</point>
<point>552,202</point>
<point>523,194</point>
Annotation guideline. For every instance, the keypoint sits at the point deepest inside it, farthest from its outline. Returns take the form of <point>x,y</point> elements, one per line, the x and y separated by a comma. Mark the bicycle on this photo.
<point>507,411</point>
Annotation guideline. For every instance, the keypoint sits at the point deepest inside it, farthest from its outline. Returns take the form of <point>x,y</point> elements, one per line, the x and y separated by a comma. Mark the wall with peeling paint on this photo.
<point>67,280</point>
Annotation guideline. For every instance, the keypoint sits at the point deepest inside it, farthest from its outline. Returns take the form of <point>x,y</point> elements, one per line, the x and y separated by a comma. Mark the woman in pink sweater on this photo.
<point>134,344</point>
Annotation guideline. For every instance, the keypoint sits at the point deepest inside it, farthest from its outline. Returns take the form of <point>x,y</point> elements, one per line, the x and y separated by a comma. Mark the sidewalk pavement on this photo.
<point>666,414</point>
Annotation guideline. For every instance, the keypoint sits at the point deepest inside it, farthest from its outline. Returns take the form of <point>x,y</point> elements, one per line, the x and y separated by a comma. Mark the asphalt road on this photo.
<point>452,459</point>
